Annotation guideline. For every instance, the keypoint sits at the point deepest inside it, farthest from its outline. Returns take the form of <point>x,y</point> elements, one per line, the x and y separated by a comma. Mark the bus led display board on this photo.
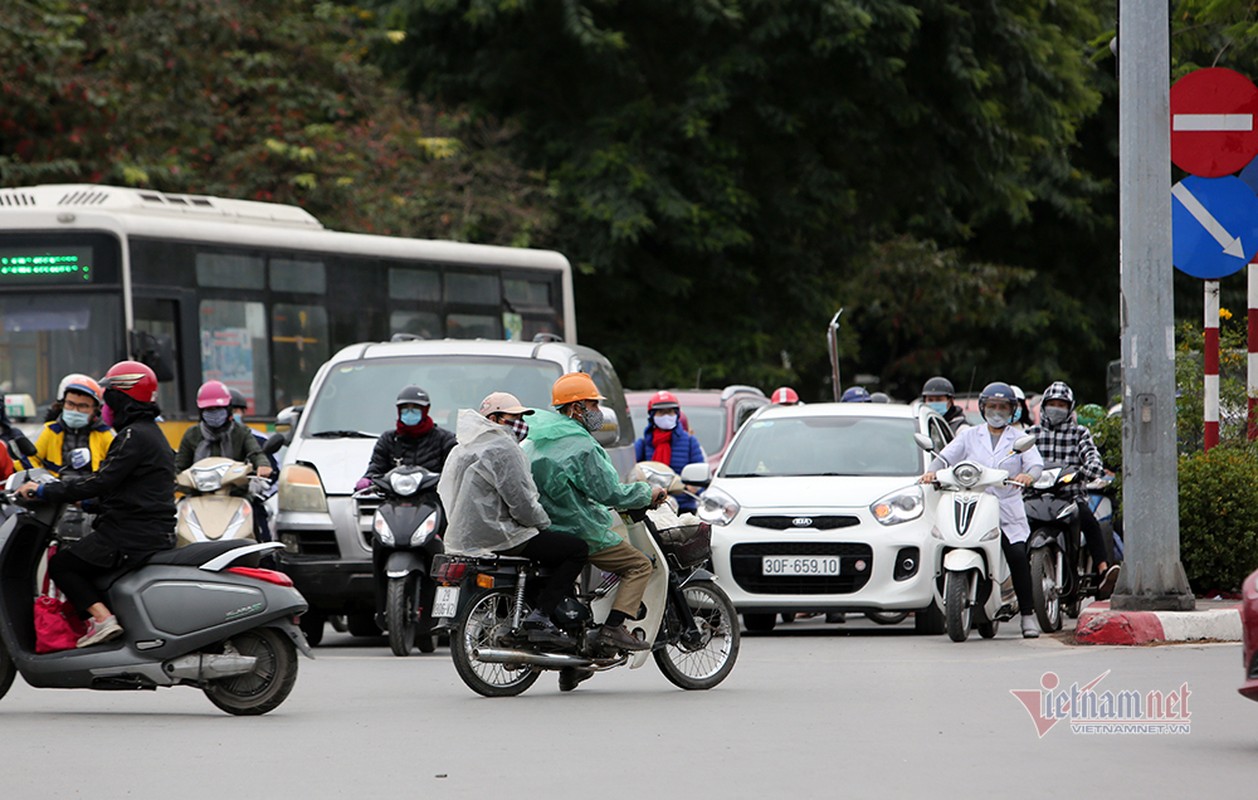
<point>64,265</point>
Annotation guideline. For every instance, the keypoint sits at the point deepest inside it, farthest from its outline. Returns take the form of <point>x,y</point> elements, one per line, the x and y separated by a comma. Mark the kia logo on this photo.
<point>801,522</point>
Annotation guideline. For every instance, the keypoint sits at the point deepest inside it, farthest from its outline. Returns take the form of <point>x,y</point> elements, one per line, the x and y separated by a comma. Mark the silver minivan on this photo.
<point>326,533</point>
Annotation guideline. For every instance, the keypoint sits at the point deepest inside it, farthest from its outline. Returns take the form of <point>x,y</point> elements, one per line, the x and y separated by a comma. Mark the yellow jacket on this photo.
<point>51,438</point>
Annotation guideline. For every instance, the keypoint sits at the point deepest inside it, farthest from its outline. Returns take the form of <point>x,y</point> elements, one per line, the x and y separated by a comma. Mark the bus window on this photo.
<point>234,349</point>
<point>424,324</point>
<point>158,318</point>
<point>414,284</point>
<point>526,294</point>
<point>292,275</point>
<point>465,287</point>
<point>473,326</point>
<point>230,271</point>
<point>299,338</point>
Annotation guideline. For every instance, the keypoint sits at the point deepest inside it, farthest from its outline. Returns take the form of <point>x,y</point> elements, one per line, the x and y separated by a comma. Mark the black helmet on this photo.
<point>880,397</point>
<point>238,400</point>
<point>413,395</point>
<point>939,385</point>
<point>997,391</point>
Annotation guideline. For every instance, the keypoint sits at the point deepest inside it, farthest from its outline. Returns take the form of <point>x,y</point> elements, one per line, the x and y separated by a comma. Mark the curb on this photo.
<point>1099,624</point>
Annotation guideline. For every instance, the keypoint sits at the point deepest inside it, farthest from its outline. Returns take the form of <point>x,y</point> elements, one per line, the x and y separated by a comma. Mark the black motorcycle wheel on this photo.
<point>399,611</point>
<point>1046,589</point>
<point>8,671</point>
<point>483,622</point>
<point>312,624</point>
<point>270,682</point>
<point>988,630</point>
<point>707,662</point>
<point>957,610</point>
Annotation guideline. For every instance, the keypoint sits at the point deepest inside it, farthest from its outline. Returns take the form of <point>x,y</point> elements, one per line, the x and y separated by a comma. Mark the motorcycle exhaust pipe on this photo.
<point>208,667</point>
<point>493,655</point>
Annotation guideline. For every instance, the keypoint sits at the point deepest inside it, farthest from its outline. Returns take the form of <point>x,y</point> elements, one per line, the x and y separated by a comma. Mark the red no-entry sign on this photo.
<point>1214,122</point>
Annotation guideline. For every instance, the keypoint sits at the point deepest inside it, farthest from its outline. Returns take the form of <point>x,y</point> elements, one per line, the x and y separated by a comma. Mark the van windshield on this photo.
<point>359,396</point>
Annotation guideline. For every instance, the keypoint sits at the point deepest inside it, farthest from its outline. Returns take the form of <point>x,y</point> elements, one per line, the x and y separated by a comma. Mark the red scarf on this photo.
<point>662,441</point>
<point>415,431</point>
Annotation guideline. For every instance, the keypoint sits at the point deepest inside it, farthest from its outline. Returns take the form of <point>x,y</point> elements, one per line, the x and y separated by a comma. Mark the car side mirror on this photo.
<point>923,441</point>
<point>286,421</point>
<point>698,474</point>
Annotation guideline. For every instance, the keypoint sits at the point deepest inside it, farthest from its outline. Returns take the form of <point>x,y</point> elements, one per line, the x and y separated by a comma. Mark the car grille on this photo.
<point>820,523</point>
<point>314,543</point>
<point>745,562</point>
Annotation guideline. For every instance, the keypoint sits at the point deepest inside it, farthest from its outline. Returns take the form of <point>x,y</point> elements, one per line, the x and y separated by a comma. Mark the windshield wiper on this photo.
<point>342,435</point>
<point>746,475</point>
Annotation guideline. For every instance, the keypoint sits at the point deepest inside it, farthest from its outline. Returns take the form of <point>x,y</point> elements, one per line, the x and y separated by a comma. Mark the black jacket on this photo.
<point>134,487</point>
<point>428,451</point>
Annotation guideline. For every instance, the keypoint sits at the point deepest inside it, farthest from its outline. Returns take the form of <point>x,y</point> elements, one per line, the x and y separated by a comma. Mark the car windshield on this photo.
<point>824,446</point>
<point>359,396</point>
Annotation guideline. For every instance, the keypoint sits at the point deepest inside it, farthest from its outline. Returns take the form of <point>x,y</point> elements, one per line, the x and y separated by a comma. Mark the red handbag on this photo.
<point>57,625</point>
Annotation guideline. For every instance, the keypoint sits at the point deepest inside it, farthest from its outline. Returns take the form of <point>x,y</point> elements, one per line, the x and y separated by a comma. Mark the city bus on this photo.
<point>257,295</point>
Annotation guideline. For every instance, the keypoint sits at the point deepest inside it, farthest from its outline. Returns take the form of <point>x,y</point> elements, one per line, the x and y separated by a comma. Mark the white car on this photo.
<point>816,509</point>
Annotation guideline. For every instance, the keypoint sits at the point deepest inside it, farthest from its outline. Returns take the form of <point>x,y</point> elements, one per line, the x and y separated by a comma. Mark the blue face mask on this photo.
<point>75,419</point>
<point>239,417</point>
<point>412,416</point>
<point>938,407</point>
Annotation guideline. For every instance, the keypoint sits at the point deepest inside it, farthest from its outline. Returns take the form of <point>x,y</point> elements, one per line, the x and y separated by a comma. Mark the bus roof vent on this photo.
<point>84,196</point>
<point>16,197</point>
<point>127,199</point>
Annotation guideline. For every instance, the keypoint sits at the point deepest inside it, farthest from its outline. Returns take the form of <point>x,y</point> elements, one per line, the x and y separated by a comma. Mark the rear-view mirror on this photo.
<point>286,420</point>
<point>698,474</point>
<point>274,443</point>
<point>924,442</point>
<point>1024,443</point>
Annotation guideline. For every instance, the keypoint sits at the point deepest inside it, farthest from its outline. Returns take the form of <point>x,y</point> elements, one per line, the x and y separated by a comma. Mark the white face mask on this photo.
<point>997,419</point>
<point>666,422</point>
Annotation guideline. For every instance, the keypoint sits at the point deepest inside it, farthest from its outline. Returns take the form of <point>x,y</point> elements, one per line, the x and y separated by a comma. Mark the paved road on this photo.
<point>811,710</point>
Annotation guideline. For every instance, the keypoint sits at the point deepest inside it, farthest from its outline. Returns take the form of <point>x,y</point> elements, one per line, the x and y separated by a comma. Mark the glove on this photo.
<point>80,457</point>
<point>363,483</point>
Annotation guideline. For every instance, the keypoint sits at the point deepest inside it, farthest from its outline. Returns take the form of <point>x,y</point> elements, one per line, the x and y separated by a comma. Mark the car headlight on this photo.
<point>901,505</point>
<point>301,490</point>
<point>425,530</point>
<point>403,484</point>
<point>717,508</point>
<point>382,529</point>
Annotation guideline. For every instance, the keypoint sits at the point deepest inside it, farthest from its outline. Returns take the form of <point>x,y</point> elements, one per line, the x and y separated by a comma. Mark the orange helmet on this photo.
<point>785,396</point>
<point>78,382</point>
<point>133,379</point>
<point>573,387</point>
<point>663,401</point>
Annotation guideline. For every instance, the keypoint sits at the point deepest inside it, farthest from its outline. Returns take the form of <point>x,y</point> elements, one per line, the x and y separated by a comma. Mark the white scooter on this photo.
<point>974,568</point>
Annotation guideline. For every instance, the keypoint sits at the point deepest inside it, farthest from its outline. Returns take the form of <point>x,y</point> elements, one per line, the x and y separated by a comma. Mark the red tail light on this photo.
<point>450,572</point>
<point>268,575</point>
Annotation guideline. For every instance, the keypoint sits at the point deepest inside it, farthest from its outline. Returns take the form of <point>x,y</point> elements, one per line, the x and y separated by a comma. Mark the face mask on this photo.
<point>593,420</point>
<point>75,419</point>
<point>107,415</point>
<point>239,417</point>
<point>997,419</point>
<point>938,407</point>
<point>519,428</point>
<point>412,416</point>
<point>1017,414</point>
<point>1056,416</point>
<point>666,422</point>
<point>214,417</point>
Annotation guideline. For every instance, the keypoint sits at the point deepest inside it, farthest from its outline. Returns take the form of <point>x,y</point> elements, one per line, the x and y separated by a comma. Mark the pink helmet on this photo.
<point>214,394</point>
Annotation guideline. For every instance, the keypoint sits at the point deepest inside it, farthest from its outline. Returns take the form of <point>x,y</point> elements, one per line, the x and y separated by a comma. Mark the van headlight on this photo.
<point>901,505</point>
<point>717,508</point>
<point>301,490</point>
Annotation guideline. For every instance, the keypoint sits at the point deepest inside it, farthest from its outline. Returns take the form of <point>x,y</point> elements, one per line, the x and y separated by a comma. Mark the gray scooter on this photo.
<point>201,616</point>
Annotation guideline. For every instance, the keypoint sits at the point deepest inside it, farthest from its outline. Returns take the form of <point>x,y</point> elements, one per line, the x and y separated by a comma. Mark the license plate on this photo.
<point>800,565</point>
<point>447,602</point>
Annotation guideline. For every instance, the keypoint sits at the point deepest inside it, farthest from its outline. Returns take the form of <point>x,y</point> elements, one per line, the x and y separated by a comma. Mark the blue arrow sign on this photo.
<point>1214,226</point>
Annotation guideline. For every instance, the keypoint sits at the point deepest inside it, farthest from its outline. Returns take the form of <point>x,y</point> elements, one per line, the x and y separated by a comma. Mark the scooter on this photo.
<point>406,531</point>
<point>974,570</point>
<point>221,497</point>
<point>688,618</point>
<point>1053,547</point>
<point>199,616</point>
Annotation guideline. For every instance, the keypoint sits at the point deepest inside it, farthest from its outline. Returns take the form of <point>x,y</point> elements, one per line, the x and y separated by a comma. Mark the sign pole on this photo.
<point>1211,398</point>
<point>1252,377</point>
<point>1152,576</point>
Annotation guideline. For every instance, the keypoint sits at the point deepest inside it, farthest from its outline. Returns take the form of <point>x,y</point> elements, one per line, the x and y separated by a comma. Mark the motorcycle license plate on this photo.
<point>447,602</point>
<point>800,565</point>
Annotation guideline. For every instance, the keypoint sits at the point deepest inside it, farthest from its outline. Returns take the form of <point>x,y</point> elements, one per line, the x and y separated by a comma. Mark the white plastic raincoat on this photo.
<point>487,490</point>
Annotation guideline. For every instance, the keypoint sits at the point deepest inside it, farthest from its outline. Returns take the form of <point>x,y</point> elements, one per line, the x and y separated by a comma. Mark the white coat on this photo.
<point>975,444</point>
<point>488,491</point>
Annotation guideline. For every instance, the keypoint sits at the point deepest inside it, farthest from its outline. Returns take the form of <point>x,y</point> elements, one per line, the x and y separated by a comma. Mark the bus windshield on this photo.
<point>358,397</point>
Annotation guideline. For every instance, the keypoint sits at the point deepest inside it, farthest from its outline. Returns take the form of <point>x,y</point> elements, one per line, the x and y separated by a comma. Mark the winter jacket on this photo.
<point>134,487</point>
<point>686,450</point>
<point>50,447</point>
<point>576,480</point>
<point>1068,443</point>
<point>956,420</point>
<point>487,490</point>
<point>240,446</point>
<point>428,451</point>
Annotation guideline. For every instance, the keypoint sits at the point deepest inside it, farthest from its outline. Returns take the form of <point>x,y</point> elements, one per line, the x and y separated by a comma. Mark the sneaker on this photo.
<point>621,638</point>
<point>1030,627</point>
<point>569,677</point>
<point>100,632</point>
<point>1108,581</point>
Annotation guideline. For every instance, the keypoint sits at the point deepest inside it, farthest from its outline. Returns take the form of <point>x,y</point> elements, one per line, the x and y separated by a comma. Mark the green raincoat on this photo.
<point>577,481</point>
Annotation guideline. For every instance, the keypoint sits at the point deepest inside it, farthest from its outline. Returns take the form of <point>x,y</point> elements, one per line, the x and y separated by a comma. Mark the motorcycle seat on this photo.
<point>194,555</point>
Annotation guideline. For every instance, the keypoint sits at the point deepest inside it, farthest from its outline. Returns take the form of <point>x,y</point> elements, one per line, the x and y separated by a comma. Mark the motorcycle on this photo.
<point>406,530</point>
<point>198,616</point>
<point>974,572</point>
<point>686,615</point>
<point>1101,501</point>
<point>1054,545</point>
<point>220,498</point>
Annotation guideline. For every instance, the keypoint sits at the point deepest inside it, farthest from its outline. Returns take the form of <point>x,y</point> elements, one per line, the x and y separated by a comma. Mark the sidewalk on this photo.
<point>1214,620</point>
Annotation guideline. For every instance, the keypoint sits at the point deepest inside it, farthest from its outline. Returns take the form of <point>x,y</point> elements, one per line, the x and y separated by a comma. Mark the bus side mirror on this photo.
<point>156,352</point>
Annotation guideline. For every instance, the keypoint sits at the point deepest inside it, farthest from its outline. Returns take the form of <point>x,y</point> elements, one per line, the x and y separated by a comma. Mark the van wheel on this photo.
<point>759,623</point>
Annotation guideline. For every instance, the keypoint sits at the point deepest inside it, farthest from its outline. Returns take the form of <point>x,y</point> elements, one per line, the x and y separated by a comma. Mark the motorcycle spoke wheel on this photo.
<point>269,683</point>
<point>484,622</point>
<point>1046,589</point>
<point>703,663</point>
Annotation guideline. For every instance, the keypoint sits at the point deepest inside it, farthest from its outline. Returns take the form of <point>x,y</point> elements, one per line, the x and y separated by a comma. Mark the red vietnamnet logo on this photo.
<point>1090,711</point>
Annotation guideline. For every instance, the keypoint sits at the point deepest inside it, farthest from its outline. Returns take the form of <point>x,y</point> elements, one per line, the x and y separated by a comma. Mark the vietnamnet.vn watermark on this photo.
<point>1090,710</point>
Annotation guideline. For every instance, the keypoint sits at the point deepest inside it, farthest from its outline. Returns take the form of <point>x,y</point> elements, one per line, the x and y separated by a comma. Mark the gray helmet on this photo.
<point>939,385</point>
<point>1058,390</point>
<point>413,395</point>
<point>238,399</point>
<point>880,397</point>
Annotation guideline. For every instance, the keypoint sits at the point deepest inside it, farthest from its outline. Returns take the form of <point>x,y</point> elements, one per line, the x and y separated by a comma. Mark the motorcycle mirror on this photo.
<point>1023,444</point>
<point>924,442</point>
<point>24,445</point>
<point>274,444</point>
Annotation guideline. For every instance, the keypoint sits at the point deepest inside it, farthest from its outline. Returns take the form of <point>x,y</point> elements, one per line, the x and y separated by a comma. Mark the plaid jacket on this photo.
<point>1070,444</point>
